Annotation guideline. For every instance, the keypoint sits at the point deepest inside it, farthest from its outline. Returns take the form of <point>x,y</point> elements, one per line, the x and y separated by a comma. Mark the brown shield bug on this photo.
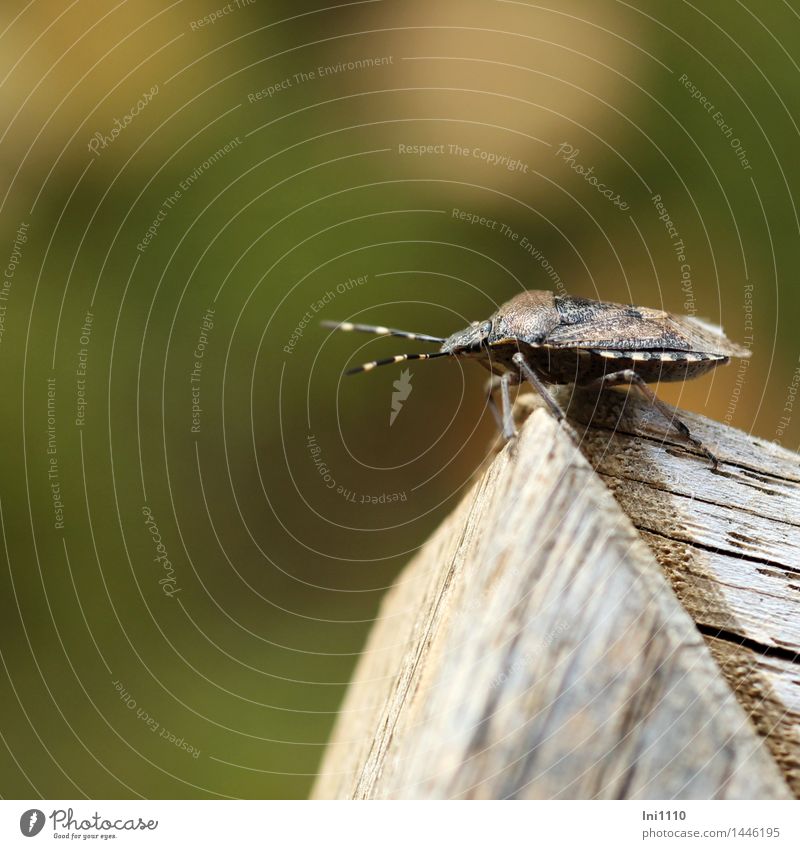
<point>550,339</point>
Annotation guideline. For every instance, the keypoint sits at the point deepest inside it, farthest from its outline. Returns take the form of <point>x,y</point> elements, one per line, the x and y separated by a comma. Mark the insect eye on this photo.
<point>484,330</point>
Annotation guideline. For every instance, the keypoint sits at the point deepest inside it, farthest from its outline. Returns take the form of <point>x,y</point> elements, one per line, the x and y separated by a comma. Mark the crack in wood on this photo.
<point>777,652</point>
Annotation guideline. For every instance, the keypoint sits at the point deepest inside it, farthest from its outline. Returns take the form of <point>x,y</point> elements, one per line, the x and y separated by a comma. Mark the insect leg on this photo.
<point>491,385</point>
<point>536,382</point>
<point>505,420</point>
<point>631,378</point>
<point>509,431</point>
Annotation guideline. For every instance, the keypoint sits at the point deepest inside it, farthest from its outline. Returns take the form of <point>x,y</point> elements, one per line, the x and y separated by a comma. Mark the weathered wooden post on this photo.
<point>603,616</point>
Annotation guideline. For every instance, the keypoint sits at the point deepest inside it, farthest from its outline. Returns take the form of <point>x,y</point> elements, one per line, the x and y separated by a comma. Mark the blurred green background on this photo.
<point>273,163</point>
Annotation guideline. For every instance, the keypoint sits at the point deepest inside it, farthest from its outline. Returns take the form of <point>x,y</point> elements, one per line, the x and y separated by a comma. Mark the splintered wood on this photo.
<point>534,648</point>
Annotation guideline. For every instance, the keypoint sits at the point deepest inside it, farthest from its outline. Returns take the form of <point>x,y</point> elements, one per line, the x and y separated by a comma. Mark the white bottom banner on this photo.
<point>404,825</point>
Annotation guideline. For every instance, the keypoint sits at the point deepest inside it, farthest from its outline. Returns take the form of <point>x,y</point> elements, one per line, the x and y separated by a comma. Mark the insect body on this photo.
<point>549,339</point>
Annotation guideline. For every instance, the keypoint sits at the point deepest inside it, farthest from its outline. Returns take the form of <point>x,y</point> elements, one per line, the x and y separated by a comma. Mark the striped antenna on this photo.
<point>379,330</point>
<point>400,358</point>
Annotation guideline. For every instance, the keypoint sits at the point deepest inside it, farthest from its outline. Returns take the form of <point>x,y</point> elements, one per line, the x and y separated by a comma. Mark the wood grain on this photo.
<point>727,540</point>
<point>534,649</point>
